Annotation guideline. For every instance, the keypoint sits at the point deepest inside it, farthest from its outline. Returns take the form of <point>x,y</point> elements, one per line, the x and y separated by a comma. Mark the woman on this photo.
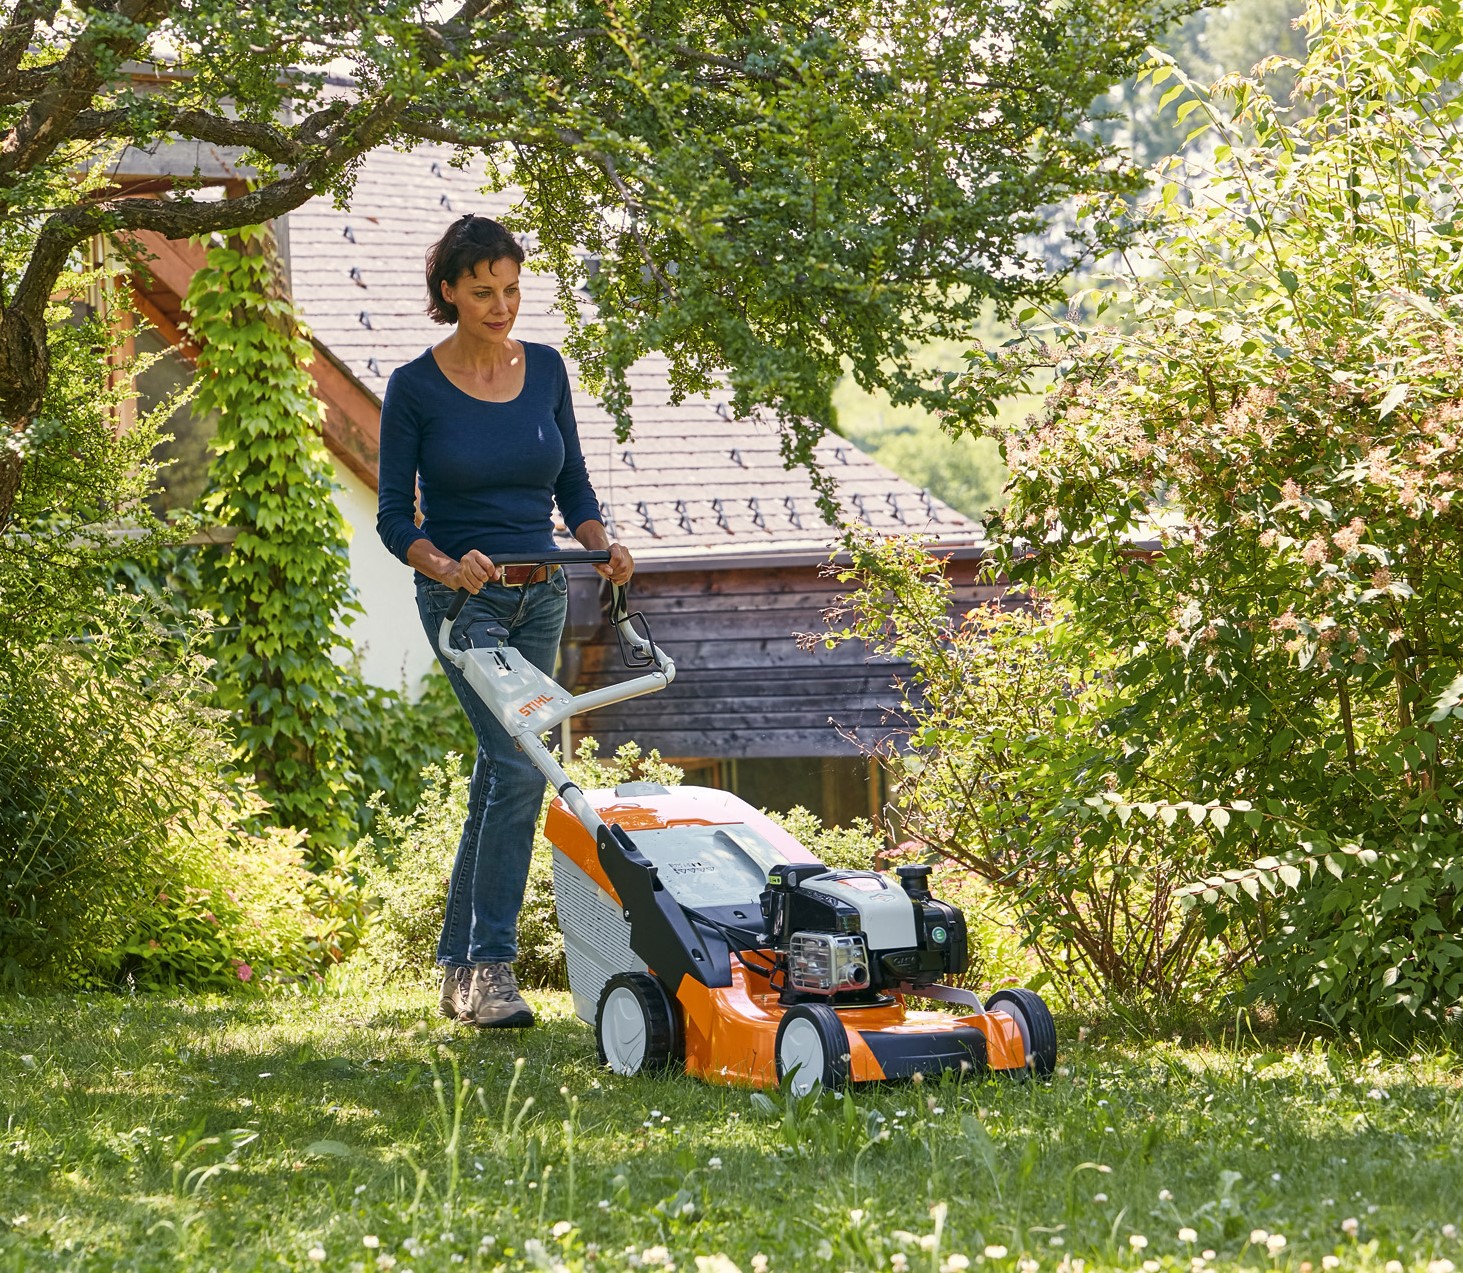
<point>483,424</point>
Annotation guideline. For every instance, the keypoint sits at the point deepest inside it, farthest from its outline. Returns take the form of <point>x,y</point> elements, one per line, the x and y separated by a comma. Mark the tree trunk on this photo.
<point>25,364</point>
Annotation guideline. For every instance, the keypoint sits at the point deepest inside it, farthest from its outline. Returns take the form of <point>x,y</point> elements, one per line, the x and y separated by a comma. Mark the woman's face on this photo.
<point>486,300</point>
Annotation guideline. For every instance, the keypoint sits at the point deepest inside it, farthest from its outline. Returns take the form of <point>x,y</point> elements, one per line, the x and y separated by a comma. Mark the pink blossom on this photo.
<point>243,970</point>
<point>1381,578</point>
<point>1314,552</point>
<point>1348,538</point>
<point>1290,492</point>
<point>1267,539</point>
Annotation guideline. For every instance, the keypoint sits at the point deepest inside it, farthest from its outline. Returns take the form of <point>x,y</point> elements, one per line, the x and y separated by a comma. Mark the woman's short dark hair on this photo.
<point>469,241</point>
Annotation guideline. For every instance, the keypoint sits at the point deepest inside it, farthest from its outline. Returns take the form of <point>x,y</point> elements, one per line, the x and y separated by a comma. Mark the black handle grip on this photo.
<point>571,557</point>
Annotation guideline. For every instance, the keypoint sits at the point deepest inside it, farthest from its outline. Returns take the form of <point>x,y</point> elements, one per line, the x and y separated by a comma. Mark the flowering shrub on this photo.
<point>1275,408</point>
<point>1003,725</point>
<point>239,910</point>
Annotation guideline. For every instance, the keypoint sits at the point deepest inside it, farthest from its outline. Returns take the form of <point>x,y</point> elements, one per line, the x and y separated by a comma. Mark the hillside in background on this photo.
<point>967,473</point>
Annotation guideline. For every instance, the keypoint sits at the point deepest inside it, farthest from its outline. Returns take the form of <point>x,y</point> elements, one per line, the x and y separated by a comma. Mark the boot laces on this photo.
<point>500,980</point>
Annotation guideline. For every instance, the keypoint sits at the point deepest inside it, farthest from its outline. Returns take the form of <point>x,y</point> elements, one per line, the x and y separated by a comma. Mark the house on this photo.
<point>729,544</point>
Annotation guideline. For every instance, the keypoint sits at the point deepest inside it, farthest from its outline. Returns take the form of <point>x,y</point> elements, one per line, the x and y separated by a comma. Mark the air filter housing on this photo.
<point>826,963</point>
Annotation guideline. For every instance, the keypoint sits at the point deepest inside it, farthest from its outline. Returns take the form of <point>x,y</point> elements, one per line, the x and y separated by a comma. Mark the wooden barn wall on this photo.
<point>744,688</point>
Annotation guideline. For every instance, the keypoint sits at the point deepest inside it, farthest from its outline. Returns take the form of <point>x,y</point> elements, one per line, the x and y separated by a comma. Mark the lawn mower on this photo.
<point>700,934</point>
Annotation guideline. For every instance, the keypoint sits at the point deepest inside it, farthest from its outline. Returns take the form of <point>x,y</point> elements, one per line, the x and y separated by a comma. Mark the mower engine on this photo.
<point>850,936</point>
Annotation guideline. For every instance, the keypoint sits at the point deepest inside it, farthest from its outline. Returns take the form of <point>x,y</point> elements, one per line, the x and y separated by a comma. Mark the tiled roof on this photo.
<point>691,481</point>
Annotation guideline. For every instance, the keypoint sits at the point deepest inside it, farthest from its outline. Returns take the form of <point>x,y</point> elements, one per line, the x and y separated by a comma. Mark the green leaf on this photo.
<point>1395,397</point>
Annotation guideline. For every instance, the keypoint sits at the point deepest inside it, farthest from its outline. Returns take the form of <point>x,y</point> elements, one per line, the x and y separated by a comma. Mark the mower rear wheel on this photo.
<point>636,1028</point>
<point>1038,1030</point>
<point>812,1046</point>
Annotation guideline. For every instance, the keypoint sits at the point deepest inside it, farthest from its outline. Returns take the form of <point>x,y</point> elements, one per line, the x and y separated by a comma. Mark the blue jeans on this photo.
<point>485,892</point>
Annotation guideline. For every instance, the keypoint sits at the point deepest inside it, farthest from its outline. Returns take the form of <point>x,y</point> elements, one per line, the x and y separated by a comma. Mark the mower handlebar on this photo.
<point>572,557</point>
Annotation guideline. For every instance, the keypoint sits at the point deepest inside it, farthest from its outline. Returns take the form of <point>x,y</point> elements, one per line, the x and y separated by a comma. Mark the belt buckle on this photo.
<point>530,573</point>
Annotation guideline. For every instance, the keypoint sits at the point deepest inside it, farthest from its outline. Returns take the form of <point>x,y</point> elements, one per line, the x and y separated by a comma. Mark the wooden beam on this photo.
<point>352,429</point>
<point>167,328</point>
<point>352,416</point>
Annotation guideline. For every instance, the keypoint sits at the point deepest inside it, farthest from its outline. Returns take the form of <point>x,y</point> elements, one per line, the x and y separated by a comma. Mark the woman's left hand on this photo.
<point>620,566</point>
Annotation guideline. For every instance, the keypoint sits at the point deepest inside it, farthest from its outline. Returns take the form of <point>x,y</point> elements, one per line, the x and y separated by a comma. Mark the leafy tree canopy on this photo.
<point>769,190</point>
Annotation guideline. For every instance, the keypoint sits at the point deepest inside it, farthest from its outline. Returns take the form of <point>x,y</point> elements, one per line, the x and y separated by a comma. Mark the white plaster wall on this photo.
<point>388,636</point>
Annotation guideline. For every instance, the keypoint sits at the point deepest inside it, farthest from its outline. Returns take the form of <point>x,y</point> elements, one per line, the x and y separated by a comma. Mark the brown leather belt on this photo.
<point>518,576</point>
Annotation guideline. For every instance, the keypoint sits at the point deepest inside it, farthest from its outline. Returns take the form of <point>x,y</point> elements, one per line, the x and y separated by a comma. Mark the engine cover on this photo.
<point>814,917</point>
<point>885,913</point>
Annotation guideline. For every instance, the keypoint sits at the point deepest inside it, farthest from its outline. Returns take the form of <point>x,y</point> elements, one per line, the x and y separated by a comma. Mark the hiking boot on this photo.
<point>456,983</point>
<point>493,998</point>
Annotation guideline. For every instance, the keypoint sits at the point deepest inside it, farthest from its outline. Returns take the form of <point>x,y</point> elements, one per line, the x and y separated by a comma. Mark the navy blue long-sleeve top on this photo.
<point>489,472</point>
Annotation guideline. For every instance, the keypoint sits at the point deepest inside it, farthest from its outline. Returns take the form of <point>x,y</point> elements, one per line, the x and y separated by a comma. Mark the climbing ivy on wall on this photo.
<point>282,591</point>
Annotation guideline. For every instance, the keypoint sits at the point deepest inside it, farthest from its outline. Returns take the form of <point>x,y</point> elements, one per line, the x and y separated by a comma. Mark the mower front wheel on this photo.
<point>636,1028</point>
<point>812,1046</point>
<point>1038,1031</point>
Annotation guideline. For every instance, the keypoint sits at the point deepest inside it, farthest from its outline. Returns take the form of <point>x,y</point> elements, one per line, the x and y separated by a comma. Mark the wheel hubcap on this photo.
<point>802,1046</point>
<point>623,1032</point>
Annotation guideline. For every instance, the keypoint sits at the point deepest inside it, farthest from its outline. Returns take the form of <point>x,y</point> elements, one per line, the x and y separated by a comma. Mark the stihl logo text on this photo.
<point>528,709</point>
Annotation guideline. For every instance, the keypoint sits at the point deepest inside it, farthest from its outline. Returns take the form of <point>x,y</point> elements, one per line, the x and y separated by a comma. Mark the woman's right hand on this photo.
<point>472,572</point>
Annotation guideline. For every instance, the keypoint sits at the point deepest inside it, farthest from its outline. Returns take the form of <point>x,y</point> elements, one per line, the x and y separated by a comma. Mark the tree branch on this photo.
<point>219,130</point>
<point>428,127</point>
<point>445,36</point>
<point>47,122</point>
<point>24,86</point>
<point>15,37</point>
<point>182,219</point>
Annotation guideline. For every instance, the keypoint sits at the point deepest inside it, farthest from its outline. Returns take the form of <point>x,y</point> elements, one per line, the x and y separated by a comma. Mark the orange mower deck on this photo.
<point>728,1034</point>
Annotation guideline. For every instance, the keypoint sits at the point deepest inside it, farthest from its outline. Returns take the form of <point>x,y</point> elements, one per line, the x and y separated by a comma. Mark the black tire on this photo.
<point>812,1040</point>
<point>636,1026</point>
<point>1038,1030</point>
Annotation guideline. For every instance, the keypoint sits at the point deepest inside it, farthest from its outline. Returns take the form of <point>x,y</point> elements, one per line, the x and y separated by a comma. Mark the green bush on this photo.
<point>95,765</point>
<point>122,823</point>
<point>392,739</point>
<point>1268,704</point>
<point>133,856</point>
<point>258,917</point>
<point>406,861</point>
<point>856,847</point>
<point>1002,730</point>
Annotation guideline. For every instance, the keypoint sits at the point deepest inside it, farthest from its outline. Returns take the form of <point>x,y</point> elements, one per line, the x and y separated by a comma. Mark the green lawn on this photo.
<point>321,1132</point>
